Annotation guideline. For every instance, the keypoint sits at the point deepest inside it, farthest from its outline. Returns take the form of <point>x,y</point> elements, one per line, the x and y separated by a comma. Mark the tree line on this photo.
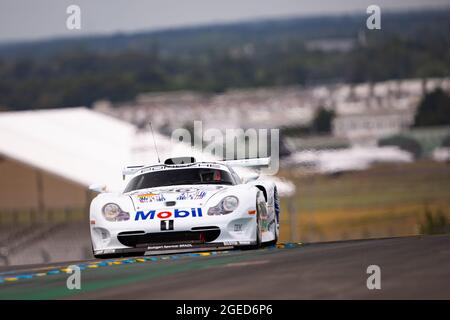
<point>241,57</point>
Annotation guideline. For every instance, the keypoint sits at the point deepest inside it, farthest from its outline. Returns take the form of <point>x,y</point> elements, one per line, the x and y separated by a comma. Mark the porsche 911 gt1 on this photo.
<point>184,205</point>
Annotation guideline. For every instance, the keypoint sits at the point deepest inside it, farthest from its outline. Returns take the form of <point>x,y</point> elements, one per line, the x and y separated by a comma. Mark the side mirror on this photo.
<point>100,188</point>
<point>250,177</point>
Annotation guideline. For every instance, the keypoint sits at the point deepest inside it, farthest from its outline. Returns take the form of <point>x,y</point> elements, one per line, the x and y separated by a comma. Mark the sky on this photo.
<point>24,20</point>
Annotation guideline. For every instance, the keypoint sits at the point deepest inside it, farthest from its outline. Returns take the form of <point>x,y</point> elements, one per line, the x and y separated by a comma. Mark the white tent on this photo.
<point>76,144</point>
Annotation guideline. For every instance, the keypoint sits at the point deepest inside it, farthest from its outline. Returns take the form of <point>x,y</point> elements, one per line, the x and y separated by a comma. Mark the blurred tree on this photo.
<point>323,121</point>
<point>64,73</point>
<point>446,141</point>
<point>434,109</point>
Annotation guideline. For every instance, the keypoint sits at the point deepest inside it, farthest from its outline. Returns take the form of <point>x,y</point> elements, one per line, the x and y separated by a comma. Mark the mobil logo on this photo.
<point>177,213</point>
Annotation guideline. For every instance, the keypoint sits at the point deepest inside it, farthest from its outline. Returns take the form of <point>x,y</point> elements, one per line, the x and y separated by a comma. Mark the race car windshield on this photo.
<point>179,177</point>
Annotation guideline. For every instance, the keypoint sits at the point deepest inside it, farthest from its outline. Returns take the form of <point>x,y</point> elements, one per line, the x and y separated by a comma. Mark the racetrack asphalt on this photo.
<point>411,268</point>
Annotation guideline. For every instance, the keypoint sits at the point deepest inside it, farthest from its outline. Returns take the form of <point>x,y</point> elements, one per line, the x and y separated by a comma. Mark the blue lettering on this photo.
<point>144,216</point>
<point>195,212</point>
<point>181,213</point>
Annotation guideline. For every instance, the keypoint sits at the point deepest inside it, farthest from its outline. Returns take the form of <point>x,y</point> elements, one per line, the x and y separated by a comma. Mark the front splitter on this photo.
<point>171,248</point>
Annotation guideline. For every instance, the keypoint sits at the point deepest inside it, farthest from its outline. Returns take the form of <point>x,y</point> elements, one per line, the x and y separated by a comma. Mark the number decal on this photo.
<point>166,225</point>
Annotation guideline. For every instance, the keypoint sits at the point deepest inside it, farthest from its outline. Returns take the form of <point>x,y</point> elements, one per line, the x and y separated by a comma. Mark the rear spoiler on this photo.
<point>255,162</point>
<point>130,170</point>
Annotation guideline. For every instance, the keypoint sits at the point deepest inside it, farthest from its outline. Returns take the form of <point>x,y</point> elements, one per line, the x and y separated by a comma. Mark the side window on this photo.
<point>236,178</point>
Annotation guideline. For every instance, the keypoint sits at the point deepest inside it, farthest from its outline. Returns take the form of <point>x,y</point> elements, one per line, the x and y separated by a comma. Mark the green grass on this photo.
<point>386,200</point>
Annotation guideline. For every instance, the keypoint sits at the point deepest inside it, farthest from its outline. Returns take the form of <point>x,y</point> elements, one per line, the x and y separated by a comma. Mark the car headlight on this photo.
<point>225,206</point>
<point>230,203</point>
<point>112,212</point>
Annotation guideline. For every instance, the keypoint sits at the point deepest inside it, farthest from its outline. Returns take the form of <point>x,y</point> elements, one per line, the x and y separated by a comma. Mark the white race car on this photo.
<point>184,205</point>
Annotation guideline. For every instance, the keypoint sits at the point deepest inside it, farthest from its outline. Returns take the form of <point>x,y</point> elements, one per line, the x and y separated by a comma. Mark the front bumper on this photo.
<point>208,233</point>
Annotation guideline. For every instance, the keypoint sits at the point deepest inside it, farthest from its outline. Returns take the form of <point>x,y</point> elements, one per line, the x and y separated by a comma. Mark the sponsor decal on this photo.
<point>184,194</point>
<point>177,213</point>
<point>151,197</point>
<point>170,246</point>
<point>192,195</point>
<point>166,225</point>
<point>230,243</point>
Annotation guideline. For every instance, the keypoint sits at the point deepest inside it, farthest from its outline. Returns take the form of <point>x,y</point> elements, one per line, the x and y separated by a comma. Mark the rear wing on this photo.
<point>130,170</point>
<point>254,163</point>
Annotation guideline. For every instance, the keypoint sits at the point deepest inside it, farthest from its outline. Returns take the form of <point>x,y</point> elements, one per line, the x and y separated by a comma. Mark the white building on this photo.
<point>370,126</point>
<point>364,112</point>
